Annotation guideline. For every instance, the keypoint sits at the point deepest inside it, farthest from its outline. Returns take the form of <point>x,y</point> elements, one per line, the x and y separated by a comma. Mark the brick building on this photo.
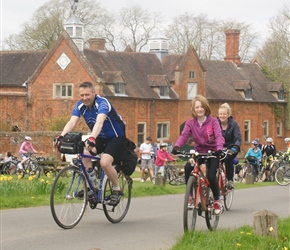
<point>151,91</point>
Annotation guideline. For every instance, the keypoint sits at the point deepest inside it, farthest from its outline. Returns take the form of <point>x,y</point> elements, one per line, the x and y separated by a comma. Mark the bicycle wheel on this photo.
<point>117,213</point>
<point>9,168</point>
<point>228,198</point>
<point>189,210</point>
<point>68,197</point>
<point>211,218</point>
<point>34,170</point>
<point>282,175</point>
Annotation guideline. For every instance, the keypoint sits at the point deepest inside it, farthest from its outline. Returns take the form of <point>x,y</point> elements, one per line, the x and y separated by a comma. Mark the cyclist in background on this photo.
<point>232,135</point>
<point>255,151</point>
<point>162,157</point>
<point>207,135</point>
<point>269,149</point>
<point>24,150</point>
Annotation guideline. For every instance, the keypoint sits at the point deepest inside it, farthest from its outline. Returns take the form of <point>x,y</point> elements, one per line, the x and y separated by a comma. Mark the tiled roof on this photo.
<point>134,67</point>
<point>17,66</point>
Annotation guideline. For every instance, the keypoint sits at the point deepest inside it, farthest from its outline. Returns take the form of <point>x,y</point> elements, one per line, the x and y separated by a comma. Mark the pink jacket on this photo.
<point>161,157</point>
<point>26,147</point>
<point>206,137</point>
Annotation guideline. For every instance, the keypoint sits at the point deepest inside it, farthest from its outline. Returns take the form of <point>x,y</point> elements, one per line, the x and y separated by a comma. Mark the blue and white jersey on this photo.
<point>113,126</point>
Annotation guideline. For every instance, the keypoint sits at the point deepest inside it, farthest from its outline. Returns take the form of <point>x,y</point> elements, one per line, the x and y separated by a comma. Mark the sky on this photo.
<point>13,13</point>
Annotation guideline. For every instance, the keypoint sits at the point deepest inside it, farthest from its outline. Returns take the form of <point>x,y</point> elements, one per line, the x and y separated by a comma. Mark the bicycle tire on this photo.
<point>282,175</point>
<point>228,198</point>
<point>190,213</point>
<point>67,208</point>
<point>9,168</point>
<point>211,218</point>
<point>116,214</point>
<point>34,170</point>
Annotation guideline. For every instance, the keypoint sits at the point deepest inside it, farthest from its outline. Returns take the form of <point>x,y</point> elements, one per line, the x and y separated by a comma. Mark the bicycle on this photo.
<point>282,173</point>
<point>198,190</point>
<point>70,194</point>
<point>249,168</point>
<point>10,167</point>
<point>172,175</point>
<point>30,167</point>
<point>226,193</point>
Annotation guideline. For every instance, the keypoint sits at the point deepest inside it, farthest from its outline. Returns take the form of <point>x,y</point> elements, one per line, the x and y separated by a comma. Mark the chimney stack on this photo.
<point>232,46</point>
<point>97,43</point>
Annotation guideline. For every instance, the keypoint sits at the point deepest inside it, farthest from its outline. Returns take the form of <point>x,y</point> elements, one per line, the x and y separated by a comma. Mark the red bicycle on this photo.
<point>199,194</point>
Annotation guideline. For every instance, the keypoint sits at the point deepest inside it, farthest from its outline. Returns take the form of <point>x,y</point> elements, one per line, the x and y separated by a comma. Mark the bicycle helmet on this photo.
<point>28,138</point>
<point>163,145</point>
<point>269,139</point>
<point>254,142</point>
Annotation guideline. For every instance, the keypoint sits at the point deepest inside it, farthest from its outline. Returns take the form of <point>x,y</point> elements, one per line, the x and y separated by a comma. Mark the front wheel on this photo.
<point>228,198</point>
<point>282,175</point>
<point>68,197</point>
<point>211,218</point>
<point>189,205</point>
<point>117,213</point>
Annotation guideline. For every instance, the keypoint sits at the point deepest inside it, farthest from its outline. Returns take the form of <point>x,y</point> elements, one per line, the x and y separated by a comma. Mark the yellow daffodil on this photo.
<point>249,234</point>
<point>19,177</point>
<point>271,229</point>
<point>238,244</point>
<point>42,180</point>
<point>30,178</point>
<point>242,232</point>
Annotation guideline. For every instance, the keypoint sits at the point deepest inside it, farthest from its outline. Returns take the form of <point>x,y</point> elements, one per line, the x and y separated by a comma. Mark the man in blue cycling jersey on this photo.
<point>107,132</point>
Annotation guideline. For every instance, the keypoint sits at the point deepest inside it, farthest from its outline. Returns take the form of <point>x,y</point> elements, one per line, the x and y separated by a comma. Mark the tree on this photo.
<point>207,36</point>
<point>137,26</point>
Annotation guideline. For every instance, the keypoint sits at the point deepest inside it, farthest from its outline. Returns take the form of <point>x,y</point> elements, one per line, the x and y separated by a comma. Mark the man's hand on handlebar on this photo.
<point>175,150</point>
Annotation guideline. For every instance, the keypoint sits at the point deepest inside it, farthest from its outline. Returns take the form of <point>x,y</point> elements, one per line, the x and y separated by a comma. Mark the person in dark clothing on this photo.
<point>233,139</point>
<point>268,149</point>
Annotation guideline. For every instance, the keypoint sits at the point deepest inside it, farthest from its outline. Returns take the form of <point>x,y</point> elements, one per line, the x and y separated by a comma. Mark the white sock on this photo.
<point>116,188</point>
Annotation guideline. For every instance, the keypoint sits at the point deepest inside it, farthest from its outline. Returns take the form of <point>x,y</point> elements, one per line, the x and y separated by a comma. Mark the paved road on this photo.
<point>152,223</point>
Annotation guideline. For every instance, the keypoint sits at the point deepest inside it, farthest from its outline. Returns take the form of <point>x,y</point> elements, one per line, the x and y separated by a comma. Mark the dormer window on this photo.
<point>281,96</point>
<point>119,88</point>
<point>248,94</point>
<point>164,91</point>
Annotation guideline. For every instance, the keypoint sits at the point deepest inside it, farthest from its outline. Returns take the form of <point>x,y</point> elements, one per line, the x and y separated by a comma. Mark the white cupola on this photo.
<point>159,45</point>
<point>75,28</point>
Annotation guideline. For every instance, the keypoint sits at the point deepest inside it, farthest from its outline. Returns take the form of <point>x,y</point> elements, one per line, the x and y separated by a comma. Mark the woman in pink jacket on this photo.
<point>162,157</point>
<point>207,135</point>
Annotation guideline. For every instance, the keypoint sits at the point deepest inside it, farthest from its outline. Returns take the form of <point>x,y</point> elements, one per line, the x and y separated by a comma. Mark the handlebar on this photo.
<point>210,154</point>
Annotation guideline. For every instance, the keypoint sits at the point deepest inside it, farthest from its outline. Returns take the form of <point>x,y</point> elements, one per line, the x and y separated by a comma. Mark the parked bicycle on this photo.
<point>72,190</point>
<point>10,167</point>
<point>250,168</point>
<point>173,175</point>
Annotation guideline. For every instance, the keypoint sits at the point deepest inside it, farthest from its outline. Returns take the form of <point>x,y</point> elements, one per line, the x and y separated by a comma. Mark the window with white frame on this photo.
<point>163,131</point>
<point>164,91</point>
<point>266,128</point>
<point>248,94</point>
<point>279,129</point>
<point>120,88</point>
<point>64,90</point>
<point>141,132</point>
<point>281,96</point>
<point>247,130</point>
<point>191,90</point>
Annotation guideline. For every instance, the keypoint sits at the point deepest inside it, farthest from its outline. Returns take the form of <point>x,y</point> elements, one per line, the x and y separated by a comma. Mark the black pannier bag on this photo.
<point>71,143</point>
<point>129,158</point>
<point>252,159</point>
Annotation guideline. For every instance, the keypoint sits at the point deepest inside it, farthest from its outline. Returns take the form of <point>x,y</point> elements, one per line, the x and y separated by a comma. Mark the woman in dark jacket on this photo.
<point>233,139</point>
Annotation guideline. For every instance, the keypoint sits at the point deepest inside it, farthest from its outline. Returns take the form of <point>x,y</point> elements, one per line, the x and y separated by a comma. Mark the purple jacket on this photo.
<point>207,137</point>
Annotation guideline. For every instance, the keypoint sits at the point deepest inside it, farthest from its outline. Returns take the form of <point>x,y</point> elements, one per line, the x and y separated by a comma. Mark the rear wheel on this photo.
<point>211,218</point>
<point>34,170</point>
<point>117,213</point>
<point>175,178</point>
<point>9,168</point>
<point>68,197</point>
<point>282,175</point>
<point>189,208</point>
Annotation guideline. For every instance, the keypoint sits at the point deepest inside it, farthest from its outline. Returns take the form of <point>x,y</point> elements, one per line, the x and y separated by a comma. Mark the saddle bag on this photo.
<point>71,143</point>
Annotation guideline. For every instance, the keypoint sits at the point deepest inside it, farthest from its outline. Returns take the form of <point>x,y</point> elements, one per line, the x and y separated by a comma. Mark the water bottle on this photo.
<point>92,177</point>
<point>203,188</point>
<point>223,177</point>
